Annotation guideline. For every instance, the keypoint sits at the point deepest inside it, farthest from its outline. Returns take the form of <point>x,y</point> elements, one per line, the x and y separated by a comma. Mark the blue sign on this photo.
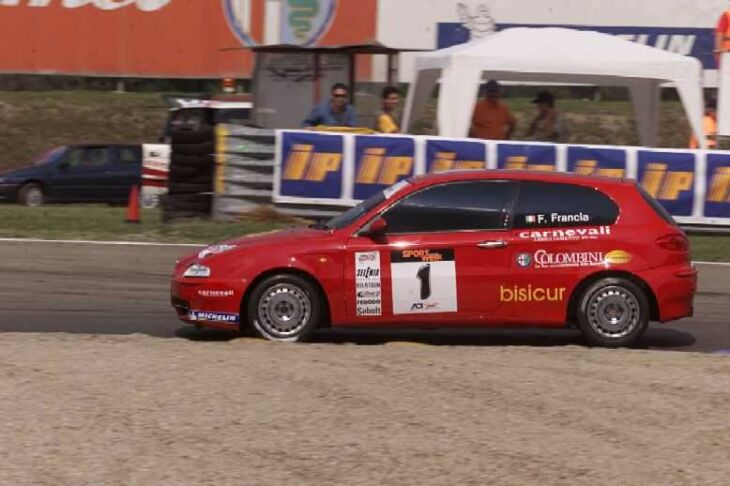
<point>311,165</point>
<point>717,197</point>
<point>526,157</point>
<point>669,177</point>
<point>381,162</point>
<point>597,161</point>
<point>693,42</point>
<point>442,155</point>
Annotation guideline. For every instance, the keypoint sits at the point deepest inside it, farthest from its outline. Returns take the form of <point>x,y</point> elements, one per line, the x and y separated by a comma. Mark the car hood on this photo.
<point>21,173</point>
<point>260,241</point>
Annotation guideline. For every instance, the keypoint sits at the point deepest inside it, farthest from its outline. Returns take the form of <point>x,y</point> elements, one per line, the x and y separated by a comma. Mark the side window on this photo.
<point>72,158</point>
<point>551,205</point>
<point>460,206</point>
<point>88,157</point>
<point>128,155</point>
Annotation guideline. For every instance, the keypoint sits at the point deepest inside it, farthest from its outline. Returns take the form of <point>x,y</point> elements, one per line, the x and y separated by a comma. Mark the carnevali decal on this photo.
<point>303,22</point>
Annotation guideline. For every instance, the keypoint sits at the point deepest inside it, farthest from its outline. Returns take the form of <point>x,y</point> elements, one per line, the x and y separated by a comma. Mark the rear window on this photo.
<point>553,205</point>
<point>658,208</point>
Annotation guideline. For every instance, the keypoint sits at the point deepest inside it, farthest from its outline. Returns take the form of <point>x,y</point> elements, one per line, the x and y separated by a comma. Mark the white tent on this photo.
<point>554,55</point>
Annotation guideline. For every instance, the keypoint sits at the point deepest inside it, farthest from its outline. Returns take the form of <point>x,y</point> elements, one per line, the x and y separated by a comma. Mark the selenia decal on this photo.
<point>368,298</point>
<point>424,281</point>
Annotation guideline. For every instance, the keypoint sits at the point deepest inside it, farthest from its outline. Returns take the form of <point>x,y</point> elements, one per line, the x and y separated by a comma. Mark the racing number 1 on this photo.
<point>424,275</point>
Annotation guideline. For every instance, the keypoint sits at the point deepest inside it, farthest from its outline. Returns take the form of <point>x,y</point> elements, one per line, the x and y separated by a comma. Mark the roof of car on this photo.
<point>525,175</point>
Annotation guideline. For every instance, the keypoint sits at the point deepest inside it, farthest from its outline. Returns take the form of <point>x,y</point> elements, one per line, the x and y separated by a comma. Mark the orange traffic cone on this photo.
<point>133,205</point>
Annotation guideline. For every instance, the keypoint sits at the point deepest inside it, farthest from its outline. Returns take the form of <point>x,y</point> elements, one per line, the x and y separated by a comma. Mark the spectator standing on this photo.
<point>492,120</point>
<point>709,125</point>
<point>387,122</point>
<point>547,125</point>
<point>336,111</point>
<point>722,35</point>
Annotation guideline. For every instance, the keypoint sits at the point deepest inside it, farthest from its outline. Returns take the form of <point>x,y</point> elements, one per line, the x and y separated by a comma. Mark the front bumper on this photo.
<point>8,192</point>
<point>206,303</point>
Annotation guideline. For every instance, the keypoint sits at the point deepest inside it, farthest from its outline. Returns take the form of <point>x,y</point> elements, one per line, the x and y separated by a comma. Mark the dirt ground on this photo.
<point>134,409</point>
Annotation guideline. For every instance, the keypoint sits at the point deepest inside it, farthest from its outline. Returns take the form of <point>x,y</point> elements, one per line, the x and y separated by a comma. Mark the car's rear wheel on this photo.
<point>284,308</point>
<point>31,195</point>
<point>614,312</point>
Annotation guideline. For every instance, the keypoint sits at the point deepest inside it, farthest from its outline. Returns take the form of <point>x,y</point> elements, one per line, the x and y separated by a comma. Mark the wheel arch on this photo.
<point>575,296</point>
<point>37,182</point>
<point>286,271</point>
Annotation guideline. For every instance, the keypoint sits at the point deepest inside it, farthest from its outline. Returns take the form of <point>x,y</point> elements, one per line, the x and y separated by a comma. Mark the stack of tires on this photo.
<point>192,165</point>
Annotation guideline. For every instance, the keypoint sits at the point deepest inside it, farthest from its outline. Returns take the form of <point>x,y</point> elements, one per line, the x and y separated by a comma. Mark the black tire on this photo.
<point>203,148</point>
<point>203,135</point>
<point>185,203</point>
<point>279,296</point>
<point>31,194</point>
<point>613,313</point>
<point>189,187</point>
<point>177,171</point>
<point>207,161</point>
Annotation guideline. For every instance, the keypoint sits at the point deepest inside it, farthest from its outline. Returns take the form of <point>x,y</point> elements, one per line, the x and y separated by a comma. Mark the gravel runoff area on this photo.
<point>80,409</point>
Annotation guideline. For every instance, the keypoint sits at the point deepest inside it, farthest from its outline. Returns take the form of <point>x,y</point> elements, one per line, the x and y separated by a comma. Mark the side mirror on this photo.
<point>376,229</point>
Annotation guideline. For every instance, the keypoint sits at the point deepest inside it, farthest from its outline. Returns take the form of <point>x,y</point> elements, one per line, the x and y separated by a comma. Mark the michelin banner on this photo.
<point>340,170</point>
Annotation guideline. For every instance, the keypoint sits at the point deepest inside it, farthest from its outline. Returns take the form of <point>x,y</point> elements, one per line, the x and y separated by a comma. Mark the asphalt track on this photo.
<point>124,289</point>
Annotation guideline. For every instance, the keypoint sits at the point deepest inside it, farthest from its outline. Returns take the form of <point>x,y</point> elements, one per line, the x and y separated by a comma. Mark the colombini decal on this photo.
<point>213,316</point>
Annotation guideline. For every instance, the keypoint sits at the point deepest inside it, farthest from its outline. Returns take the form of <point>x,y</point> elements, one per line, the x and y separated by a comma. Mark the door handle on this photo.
<point>490,245</point>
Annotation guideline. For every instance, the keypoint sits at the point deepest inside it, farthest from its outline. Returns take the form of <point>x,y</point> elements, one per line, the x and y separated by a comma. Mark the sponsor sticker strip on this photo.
<point>368,292</point>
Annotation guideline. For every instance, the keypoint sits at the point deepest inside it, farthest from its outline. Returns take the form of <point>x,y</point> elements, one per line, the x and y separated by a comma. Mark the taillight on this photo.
<point>673,242</point>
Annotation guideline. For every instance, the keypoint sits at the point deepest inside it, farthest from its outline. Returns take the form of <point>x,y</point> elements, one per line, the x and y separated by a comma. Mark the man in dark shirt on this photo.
<point>333,112</point>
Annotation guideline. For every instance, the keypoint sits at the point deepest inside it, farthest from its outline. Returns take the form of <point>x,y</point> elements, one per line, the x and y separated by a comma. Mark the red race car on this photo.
<point>461,249</point>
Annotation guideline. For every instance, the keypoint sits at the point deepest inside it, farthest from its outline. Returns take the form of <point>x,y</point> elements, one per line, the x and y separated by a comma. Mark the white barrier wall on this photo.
<point>342,169</point>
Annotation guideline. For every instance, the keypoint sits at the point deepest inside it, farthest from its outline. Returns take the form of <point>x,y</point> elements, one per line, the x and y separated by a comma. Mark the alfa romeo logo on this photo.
<point>303,22</point>
<point>524,260</point>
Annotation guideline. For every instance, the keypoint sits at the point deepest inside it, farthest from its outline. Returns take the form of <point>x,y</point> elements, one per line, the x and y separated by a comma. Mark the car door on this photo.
<point>83,175</point>
<point>442,260</point>
<point>561,234</point>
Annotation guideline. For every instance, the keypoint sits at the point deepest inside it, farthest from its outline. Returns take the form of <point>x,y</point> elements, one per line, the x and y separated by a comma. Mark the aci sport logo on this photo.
<point>303,22</point>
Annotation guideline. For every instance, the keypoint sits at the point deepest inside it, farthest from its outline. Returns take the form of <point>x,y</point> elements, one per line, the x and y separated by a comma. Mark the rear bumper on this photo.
<point>674,288</point>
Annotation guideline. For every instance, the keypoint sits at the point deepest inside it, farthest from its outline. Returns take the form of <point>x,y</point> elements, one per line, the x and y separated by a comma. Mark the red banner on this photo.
<point>164,38</point>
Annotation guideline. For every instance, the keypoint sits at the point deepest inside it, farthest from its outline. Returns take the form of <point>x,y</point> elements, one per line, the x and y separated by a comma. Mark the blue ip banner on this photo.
<point>380,162</point>
<point>443,155</point>
<point>669,178</point>
<point>312,165</point>
<point>342,169</point>
<point>526,156</point>
<point>717,178</point>
<point>601,161</point>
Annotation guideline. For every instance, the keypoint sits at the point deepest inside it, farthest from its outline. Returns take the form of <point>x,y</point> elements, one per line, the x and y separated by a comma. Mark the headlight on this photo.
<point>214,250</point>
<point>197,271</point>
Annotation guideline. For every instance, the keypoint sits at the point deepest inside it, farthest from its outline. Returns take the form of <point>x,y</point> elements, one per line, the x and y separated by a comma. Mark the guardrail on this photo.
<point>324,170</point>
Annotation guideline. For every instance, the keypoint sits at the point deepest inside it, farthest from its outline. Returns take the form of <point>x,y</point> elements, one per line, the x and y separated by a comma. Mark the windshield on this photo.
<point>349,216</point>
<point>49,156</point>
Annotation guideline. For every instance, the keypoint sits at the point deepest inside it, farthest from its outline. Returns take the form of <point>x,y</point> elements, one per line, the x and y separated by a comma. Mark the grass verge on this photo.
<point>107,223</point>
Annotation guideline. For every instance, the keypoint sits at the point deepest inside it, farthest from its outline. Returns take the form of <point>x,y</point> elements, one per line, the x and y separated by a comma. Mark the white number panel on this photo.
<point>424,281</point>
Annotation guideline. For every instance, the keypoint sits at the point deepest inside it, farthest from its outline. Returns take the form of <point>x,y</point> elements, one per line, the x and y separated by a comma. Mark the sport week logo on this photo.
<point>303,22</point>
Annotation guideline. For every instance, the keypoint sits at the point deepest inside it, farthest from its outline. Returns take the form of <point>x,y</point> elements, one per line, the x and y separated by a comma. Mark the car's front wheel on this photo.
<point>284,308</point>
<point>613,312</point>
<point>31,195</point>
